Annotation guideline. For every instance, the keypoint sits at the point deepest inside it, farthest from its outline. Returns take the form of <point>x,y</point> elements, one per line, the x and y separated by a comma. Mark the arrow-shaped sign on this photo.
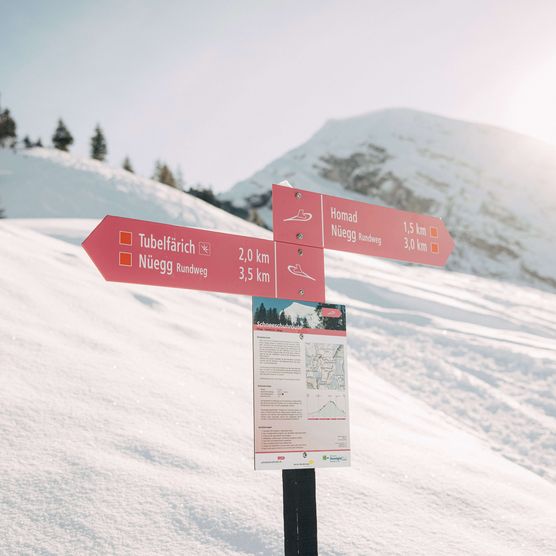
<point>141,252</point>
<point>307,218</point>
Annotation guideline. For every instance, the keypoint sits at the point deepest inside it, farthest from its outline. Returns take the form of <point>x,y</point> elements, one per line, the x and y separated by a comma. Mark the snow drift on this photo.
<point>126,418</point>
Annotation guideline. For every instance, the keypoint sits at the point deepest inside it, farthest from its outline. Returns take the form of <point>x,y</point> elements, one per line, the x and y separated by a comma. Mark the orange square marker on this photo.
<point>126,238</point>
<point>125,259</point>
<point>435,248</point>
<point>433,231</point>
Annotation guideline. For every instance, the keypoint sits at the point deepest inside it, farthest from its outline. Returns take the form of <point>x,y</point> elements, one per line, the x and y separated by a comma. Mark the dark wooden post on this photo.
<point>300,512</point>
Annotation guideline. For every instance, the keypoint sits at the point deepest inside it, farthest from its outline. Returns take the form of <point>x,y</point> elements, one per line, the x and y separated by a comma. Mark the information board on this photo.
<point>301,409</point>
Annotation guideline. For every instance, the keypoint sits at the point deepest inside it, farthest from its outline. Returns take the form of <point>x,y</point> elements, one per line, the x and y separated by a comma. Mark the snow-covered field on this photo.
<point>126,418</point>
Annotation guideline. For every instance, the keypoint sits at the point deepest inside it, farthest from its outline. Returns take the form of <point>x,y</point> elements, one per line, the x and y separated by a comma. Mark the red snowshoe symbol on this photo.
<point>301,216</point>
<point>297,271</point>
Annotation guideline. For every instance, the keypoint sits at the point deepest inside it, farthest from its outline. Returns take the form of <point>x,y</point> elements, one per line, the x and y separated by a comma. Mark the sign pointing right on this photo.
<point>307,218</point>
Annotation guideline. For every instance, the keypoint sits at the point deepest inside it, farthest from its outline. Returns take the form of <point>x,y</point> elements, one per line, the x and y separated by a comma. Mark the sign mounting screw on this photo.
<point>298,195</point>
<point>299,235</point>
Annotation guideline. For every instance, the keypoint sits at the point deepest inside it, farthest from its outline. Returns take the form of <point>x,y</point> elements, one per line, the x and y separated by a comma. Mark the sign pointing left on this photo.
<point>142,252</point>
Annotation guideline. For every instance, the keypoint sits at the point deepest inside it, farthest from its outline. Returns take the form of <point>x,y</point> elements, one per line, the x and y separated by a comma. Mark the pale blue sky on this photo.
<point>222,88</point>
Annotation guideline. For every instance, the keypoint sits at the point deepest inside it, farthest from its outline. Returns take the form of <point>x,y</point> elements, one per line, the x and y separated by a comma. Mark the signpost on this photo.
<point>289,268</point>
<point>311,219</point>
<point>140,252</point>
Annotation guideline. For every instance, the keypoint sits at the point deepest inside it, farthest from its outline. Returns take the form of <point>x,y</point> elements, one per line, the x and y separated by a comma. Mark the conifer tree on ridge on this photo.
<point>163,174</point>
<point>62,137</point>
<point>7,129</point>
<point>126,165</point>
<point>99,148</point>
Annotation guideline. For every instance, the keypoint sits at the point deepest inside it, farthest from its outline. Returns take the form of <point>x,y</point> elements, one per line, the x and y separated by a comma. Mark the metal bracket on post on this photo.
<point>300,512</point>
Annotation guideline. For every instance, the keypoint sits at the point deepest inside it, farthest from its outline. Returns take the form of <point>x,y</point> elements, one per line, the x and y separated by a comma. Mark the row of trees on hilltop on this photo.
<point>62,139</point>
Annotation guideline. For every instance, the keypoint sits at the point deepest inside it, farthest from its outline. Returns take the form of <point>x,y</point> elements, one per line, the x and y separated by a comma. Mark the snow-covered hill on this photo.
<point>46,183</point>
<point>126,411</point>
<point>495,189</point>
<point>125,422</point>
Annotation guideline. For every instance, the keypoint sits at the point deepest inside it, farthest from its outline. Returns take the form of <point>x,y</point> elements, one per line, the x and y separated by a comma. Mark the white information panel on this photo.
<point>300,386</point>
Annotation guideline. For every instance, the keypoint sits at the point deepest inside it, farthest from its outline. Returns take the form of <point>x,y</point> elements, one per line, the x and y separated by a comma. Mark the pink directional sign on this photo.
<point>141,252</point>
<point>307,218</point>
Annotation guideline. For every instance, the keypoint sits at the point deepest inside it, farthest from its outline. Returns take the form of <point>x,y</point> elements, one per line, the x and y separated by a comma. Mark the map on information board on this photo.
<point>324,364</point>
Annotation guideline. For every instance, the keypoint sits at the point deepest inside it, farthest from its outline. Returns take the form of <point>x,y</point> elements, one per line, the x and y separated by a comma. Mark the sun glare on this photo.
<point>532,107</point>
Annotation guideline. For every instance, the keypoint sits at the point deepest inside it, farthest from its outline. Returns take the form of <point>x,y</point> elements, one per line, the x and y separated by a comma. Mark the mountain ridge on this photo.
<point>477,177</point>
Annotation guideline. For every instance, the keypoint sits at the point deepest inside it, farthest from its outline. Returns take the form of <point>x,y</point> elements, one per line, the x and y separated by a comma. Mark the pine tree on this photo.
<point>180,181</point>
<point>7,129</point>
<point>167,177</point>
<point>163,174</point>
<point>98,145</point>
<point>62,138</point>
<point>156,171</point>
<point>204,193</point>
<point>38,143</point>
<point>27,142</point>
<point>263,313</point>
<point>127,165</point>
<point>260,314</point>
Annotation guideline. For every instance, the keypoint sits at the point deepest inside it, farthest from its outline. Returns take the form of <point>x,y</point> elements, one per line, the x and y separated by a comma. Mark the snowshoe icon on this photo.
<point>296,270</point>
<point>301,216</point>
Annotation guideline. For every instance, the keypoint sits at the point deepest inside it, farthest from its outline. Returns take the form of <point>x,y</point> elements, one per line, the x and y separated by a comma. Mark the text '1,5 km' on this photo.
<point>312,219</point>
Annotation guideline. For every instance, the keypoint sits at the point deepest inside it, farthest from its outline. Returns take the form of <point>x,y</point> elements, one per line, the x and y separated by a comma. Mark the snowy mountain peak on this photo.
<point>494,188</point>
<point>301,311</point>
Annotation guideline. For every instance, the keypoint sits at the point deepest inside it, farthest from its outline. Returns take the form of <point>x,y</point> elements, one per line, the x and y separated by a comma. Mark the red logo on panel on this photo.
<point>296,216</point>
<point>300,272</point>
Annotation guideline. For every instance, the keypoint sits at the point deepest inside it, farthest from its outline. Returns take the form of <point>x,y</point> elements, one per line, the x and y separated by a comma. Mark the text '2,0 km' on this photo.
<point>141,252</point>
